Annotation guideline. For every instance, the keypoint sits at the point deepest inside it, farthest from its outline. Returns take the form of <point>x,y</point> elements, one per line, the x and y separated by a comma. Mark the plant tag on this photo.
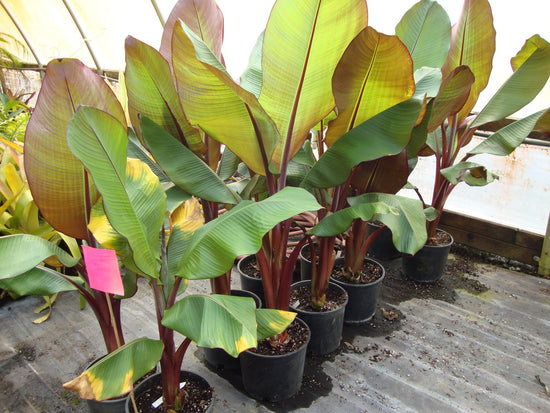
<point>103,271</point>
<point>158,402</point>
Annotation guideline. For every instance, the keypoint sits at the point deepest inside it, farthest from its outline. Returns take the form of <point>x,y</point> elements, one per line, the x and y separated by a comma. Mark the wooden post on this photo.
<point>544,263</point>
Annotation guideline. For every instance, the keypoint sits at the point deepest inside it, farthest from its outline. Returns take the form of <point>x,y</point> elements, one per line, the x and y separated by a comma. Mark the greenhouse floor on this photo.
<point>476,341</point>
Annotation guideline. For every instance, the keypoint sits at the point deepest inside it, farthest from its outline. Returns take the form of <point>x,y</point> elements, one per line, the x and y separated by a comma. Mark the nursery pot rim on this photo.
<point>130,408</point>
<point>451,242</point>
<point>377,281</point>
<point>275,356</point>
<point>315,313</point>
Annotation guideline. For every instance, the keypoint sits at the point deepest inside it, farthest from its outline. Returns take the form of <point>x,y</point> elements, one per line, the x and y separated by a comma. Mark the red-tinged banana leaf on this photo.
<point>223,321</point>
<point>20,253</point>
<point>388,174</point>
<point>183,167</point>
<point>303,43</point>
<point>404,216</point>
<point>374,74</point>
<point>426,31</point>
<point>224,110</point>
<point>543,124</point>
<point>470,172</point>
<point>116,373</point>
<point>213,248</point>
<point>473,45</point>
<point>384,134</point>
<point>151,92</point>
<point>204,17</point>
<point>133,198</point>
<point>40,281</point>
<point>452,96</point>
<point>531,72</point>
<point>57,179</point>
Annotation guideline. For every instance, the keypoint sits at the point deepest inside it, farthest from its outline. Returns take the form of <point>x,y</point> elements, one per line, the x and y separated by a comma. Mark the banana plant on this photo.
<point>266,119</point>
<point>131,217</point>
<point>448,125</point>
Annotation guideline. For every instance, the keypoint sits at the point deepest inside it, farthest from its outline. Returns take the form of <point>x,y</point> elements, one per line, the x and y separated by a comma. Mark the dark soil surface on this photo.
<point>199,396</point>
<point>250,267</point>
<point>297,336</point>
<point>370,272</point>
<point>441,238</point>
<point>300,298</point>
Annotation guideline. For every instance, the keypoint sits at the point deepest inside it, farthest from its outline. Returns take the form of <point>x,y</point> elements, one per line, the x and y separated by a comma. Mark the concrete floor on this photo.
<point>476,341</point>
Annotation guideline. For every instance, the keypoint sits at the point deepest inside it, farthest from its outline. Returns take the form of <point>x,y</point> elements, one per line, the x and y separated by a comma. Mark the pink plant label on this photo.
<point>103,271</point>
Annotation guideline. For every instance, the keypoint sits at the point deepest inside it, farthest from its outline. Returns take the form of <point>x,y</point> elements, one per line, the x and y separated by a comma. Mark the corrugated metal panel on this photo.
<point>471,343</point>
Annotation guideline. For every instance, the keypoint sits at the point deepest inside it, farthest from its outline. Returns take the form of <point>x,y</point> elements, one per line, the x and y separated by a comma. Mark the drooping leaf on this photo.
<point>504,141</point>
<point>470,172</point>
<point>473,45</point>
<point>224,110</point>
<point>214,246</point>
<point>152,93</point>
<point>133,198</point>
<point>374,74</point>
<point>57,179</point>
<point>384,134</point>
<point>183,167</point>
<point>426,31</point>
<point>116,373</point>
<point>39,281</point>
<point>404,216</point>
<point>271,322</point>
<point>20,253</point>
<point>532,69</point>
<point>223,321</point>
<point>388,174</point>
<point>303,42</point>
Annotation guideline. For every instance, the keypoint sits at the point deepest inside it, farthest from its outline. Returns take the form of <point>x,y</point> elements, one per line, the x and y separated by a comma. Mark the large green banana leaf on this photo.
<point>374,74</point>
<point>183,167</point>
<point>404,216</point>
<point>20,253</point>
<point>204,17</point>
<point>223,321</point>
<point>57,179</point>
<point>116,373</point>
<point>505,140</point>
<point>531,72</point>
<point>426,31</point>
<point>214,246</point>
<point>384,134</point>
<point>473,45</point>
<point>251,79</point>
<point>303,42</point>
<point>224,110</point>
<point>133,198</point>
<point>40,281</point>
<point>152,93</point>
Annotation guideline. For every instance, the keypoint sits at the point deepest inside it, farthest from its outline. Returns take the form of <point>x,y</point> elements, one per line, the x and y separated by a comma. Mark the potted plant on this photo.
<point>370,133</point>
<point>130,217</point>
<point>462,58</point>
<point>266,119</point>
<point>64,195</point>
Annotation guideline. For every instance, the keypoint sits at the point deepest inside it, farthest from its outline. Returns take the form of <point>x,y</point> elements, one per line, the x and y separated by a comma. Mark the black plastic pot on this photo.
<point>382,247</point>
<point>115,405</point>
<point>273,378</point>
<point>428,264</point>
<point>305,265</point>
<point>156,380</point>
<point>362,298</point>
<point>326,326</point>
<point>248,282</point>
<point>219,358</point>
